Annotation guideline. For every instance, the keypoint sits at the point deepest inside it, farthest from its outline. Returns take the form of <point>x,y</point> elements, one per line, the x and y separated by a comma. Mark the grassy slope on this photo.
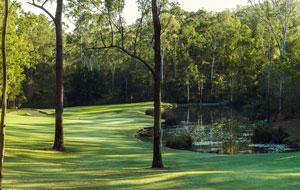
<point>104,154</point>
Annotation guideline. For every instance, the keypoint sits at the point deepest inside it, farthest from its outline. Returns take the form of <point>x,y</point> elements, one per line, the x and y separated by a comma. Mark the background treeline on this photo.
<point>207,57</point>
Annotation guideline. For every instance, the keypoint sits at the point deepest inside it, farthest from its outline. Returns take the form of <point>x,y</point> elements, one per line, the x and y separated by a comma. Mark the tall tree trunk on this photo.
<point>280,96</point>
<point>174,67</point>
<point>162,63</point>
<point>268,85</point>
<point>188,91</point>
<point>212,67</point>
<point>201,97</point>
<point>113,70</point>
<point>231,90</point>
<point>280,81</point>
<point>4,93</point>
<point>199,90</point>
<point>157,144</point>
<point>126,89</point>
<point>59,134</point>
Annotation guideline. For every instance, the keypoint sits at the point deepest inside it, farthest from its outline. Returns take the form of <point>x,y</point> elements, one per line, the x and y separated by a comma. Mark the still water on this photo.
<point>221,130</point>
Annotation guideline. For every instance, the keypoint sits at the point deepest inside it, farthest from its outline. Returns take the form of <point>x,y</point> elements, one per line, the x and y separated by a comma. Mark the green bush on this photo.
<point>170,118</point>
<point>255,109</point>
<point>268,134</point>
<point>179,142</point>
<point>151,112</point>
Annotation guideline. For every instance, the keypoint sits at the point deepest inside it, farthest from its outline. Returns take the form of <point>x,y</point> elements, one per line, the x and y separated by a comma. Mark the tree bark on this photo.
<point>280,96</point>
<point>59,134</point>
<point>4,93</point>
<point>126,89</point>
<point>157,144</point>
<point>188,91</point>
<point>270,55</point>
<point>231,90</point>
<point>212,67</point>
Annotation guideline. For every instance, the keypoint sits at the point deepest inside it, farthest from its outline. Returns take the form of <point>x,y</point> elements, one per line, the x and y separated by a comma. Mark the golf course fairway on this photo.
<point>103,153</point>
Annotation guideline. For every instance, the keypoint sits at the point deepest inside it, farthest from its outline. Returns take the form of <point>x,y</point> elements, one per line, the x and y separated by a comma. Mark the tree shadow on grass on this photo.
<point>105,155</point>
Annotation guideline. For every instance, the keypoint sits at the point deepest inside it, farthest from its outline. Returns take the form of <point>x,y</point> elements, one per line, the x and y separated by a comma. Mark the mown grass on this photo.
<point>102,153</point>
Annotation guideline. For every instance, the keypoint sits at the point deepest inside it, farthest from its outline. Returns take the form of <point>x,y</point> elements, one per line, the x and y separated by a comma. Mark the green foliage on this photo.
<point>86,87</point>
<point>179,142</point>
<point>18,57</point>
<point>267,134</point>
<point>39,84</point>
<point>229,55</point>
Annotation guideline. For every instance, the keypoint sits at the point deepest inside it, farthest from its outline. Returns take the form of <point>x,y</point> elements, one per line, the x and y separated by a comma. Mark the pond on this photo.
<point>221,130</point>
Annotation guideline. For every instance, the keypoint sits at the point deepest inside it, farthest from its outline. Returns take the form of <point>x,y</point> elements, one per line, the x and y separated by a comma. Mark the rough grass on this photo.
<point>104,154</point>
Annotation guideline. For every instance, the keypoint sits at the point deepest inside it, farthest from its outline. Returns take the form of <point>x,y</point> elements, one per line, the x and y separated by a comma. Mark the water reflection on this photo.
<point>221,130</point>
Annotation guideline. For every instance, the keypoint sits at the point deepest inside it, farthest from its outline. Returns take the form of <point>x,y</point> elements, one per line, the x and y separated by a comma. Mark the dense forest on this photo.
<point>228,80</point>
<point>245,56</point>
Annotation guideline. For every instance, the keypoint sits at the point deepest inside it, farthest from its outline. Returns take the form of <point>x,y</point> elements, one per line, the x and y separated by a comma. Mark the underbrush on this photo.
<point>268,134</point>
<point>179,142</point>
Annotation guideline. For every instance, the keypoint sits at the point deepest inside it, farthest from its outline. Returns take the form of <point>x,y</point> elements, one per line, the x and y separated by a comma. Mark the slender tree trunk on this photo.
<point>126,89</point>
<point>280,96</point>
<point>162,63</point>
<point>212,67</point>
<point>231,90</point>
<point>268,101</point>
<point>59,134</point>
<point>201,91</point>
<point>4,93</point>
<point>281,79</point>
<point>98,66</point>
<point>157,144</point>
<point>212,72</point>
<point>188,117</point>
<point>113,70</point>
<point>174,67</point>
<point>174,57</point>
<point>188,92</point>
<point>268,86</point>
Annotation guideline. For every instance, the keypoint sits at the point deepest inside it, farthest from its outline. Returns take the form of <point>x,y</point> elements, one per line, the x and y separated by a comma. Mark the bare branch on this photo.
<point>102,39</point>
<point>265,17</point>
<point>139,26</point>
<point>43,8</point>
<point>128,53</point>
<point>44,3</point>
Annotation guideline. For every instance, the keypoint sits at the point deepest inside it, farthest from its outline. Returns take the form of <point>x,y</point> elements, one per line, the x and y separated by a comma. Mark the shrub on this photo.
<point>268,134</point>
<point>170,118</point>
<point>151,112</point>
<point>179,142</point>
<point>255,110</point>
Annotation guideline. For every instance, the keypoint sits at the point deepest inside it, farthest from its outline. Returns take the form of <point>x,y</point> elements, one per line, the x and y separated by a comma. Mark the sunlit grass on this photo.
<point>102,153</point>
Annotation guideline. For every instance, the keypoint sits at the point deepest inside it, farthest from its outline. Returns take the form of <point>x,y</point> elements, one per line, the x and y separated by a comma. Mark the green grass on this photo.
<point>104,154</point>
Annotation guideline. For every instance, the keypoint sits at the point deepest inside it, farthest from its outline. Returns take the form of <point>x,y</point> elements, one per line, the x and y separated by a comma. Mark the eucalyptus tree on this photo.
<point>40,73</point>
<point>4,90</point>
<point>267,46</point>
<point>221,35</point>
<point>15,57</point>
<point>111,33</point>
<point>276,14</point>
<point>199,78</point>
<point>57,19</point>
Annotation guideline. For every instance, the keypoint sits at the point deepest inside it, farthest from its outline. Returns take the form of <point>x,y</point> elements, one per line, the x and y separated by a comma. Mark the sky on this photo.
<point>131,12</point>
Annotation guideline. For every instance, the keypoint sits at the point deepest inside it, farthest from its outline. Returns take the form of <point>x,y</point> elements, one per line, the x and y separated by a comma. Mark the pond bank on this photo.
<point>222,130</point>
<point>224,103</point>
<point>291,127</point>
